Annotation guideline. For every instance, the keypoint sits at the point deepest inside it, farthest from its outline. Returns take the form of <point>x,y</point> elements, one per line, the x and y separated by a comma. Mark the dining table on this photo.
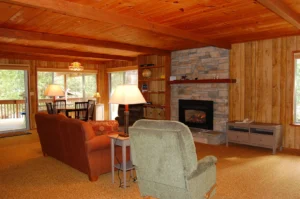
<point>71,110</point>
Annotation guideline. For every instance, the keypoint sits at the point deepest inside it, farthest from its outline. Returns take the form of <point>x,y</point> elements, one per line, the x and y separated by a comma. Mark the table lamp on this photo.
<point>97,96</point>
<point>127,94</point>
<point>54,90</point>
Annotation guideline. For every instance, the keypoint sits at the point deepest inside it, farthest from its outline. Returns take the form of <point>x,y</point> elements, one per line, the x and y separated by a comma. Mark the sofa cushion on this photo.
<point>104,127</point>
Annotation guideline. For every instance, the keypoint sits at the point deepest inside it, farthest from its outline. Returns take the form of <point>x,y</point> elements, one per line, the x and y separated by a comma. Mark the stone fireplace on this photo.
<point>197,113</point>
<point>202,63</point>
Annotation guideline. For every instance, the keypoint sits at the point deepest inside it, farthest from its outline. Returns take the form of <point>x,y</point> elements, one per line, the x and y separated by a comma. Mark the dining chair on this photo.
<point>49,107</point>
<point>60,105</point>
<point>91,107</point>
<point>81,114</point>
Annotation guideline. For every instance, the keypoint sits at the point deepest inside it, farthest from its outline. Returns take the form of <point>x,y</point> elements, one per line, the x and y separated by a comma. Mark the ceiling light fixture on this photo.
<point>76,66</point>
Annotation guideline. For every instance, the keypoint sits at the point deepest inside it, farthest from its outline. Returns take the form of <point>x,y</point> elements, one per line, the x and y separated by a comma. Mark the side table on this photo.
<point>115,139</point>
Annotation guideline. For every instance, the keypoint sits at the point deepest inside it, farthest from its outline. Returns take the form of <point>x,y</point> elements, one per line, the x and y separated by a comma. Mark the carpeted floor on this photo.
<point>242,172</point>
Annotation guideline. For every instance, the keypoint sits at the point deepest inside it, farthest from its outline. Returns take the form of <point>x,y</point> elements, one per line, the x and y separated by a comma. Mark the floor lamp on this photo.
<point>54,90</point>
<point>127,94</point>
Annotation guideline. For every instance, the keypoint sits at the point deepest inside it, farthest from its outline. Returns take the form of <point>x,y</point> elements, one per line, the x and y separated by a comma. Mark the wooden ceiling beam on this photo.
<point>88,12</point>
<point>29,35</point>
<point>24,56</point>
<point>18,48</point>
<point>281,9</point>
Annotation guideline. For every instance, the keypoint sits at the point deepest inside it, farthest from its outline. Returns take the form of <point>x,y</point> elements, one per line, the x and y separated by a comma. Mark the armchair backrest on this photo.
<point>163,151</point>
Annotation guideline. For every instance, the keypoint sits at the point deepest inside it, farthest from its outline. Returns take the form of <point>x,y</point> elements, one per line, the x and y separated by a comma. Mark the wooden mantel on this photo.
<point>202,81</point>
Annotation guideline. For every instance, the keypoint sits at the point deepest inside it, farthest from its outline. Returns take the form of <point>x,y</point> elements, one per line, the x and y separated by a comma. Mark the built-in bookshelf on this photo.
<point>154,73</point>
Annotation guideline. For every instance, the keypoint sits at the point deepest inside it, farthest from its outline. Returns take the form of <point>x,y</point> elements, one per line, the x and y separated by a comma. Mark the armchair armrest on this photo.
<point>202,181</point>
<point>203,165</point>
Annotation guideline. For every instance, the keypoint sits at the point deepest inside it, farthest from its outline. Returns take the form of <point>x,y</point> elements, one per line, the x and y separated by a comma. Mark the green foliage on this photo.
<point>12,84</point>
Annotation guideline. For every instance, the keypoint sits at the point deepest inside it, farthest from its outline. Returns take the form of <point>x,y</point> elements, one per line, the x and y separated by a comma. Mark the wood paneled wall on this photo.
<point>264,88</point>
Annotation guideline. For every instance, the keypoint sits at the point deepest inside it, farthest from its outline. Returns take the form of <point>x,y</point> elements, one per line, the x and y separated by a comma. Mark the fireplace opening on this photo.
<point>196,113</point>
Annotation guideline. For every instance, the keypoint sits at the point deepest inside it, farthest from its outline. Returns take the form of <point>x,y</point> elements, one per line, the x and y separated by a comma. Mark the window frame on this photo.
<point>85,72</point>
<point>115,70</point>
<point>296,56</point>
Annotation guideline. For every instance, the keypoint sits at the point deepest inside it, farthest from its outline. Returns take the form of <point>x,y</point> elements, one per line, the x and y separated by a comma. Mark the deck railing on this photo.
<point>16,108</point>
<point>11,108</point>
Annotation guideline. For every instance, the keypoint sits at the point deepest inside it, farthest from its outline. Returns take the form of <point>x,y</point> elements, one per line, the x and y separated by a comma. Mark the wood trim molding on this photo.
<point>281,9</point>
<point>29,35</point>
<point>88,71</point>
<point>88,12</point>
<point>117,69</point>
<point>296,54</point>
<point>14,67</point>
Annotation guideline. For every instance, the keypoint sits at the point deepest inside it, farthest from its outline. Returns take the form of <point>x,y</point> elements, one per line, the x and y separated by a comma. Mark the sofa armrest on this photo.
<point>203,165</point>
<point>104,127</point>
<point>98,143</point>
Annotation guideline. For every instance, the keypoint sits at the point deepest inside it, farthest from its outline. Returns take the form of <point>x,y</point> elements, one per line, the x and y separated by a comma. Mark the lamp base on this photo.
<point>123,135</point>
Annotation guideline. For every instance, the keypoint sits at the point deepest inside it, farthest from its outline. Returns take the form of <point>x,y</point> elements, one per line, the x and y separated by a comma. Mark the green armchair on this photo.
<point>164,155</point>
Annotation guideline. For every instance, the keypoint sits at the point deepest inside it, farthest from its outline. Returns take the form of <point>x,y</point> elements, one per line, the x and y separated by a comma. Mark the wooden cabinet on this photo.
<point>255,134</point>
<point>154,73</point>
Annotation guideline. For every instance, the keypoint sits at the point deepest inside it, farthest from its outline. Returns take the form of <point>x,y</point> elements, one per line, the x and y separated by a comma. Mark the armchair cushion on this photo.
<point>104,127</point>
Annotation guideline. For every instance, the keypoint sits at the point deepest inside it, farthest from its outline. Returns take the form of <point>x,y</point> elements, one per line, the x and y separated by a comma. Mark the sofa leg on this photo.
<point>93,178</point>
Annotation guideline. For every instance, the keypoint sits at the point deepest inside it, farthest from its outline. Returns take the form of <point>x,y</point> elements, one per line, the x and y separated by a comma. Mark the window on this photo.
<point>79,87</point>
<point>119,78</point>
<point>297,89</point>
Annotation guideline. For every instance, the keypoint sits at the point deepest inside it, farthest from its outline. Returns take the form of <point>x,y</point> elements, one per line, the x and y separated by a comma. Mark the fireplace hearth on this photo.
<point>196,113</point>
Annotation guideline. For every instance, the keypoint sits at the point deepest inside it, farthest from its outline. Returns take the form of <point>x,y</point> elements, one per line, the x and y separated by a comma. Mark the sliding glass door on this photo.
<point>14,112</point>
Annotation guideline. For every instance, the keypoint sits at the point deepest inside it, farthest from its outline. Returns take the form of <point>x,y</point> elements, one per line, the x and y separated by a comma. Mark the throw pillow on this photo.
<point>104,127</point>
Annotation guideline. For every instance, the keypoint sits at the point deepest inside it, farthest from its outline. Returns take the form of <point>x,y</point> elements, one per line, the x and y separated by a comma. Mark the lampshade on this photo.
<point>76,66</point>
<point>54,90</point>
<point>97,95</point>
<point>127,94</point>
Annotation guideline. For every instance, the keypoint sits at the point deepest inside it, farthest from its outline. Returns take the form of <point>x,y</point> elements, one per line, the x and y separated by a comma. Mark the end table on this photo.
<point>115,139</point>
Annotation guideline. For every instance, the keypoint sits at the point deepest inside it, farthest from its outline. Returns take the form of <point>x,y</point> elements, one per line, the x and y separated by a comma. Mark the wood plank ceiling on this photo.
<point>123,29</point>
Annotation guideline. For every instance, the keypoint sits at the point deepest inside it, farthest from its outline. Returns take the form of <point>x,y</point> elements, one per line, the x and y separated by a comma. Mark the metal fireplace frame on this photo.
<point>200,105</point>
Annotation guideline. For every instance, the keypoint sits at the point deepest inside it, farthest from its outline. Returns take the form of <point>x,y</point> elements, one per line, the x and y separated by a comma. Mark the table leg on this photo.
<point>124,163</point>
<point>112,145</point>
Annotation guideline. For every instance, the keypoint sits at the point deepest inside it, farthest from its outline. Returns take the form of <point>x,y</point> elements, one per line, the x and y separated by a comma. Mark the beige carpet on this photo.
<point>242,172</point>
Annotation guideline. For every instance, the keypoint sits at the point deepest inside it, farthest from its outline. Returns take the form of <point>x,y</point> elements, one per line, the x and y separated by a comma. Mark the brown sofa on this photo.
<point>75,143</point>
